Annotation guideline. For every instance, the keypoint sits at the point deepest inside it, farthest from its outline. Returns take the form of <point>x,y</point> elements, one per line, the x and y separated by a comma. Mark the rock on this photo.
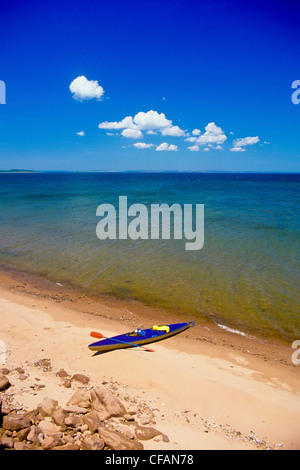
<point>83,428</point>
<point>51,441</point>
<point>34,435</point>
<point>47,407</point>
<point>15,422</point>
<point>45,363</point>
<point>75,409</point>
<point>7,442</point>
<point>34,416</point>
<point>23,377</point>
<point>81,398</point>
<point>144,421</point>
<point>48,428</point>
<point>92,442</point>
<point>72,420</point>
<point>62,374</point>
<point>67,446</point>
<point>103,400</point>
<point>93,420</point>
<point>22,434</point>
<point>128,417</point>
<point>126,431</point>
<point>4,371</point>
<point>67,439</point>
<point>4,383</point>
<point>146,433</point>
<point>81,378</point>
<point>22,446</point>
<point>116,441</point>
<point>59,416</point>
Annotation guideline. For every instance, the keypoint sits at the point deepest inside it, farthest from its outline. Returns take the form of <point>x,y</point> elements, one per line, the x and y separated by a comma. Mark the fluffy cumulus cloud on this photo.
<point>80,133</point>
<point>132,133</point>
<point>142,145</point>
<point>84,89</point>
<point>174,131</point>
<point>246,141</point>
<point>239,144</point>
<point>212,135</point>
<point>194,148</point>
<point>166,146</point>
<point>127,122</point>
<point>150,122</point>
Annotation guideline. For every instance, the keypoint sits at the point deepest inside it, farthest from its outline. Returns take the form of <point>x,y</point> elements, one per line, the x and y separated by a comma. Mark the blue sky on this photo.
<point>204,85</point>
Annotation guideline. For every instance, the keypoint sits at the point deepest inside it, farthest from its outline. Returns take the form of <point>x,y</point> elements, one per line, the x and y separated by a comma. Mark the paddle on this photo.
<point>94,334</point>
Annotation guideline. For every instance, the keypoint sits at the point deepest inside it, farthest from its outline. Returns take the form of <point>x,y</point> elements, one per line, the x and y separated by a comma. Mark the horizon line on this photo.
<point>151,171</point>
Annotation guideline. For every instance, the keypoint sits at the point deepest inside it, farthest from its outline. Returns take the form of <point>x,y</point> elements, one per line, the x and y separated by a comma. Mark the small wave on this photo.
<point>231,330</point>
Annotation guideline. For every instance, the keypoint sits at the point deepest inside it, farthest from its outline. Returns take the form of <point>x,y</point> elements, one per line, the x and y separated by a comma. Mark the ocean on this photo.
<point>245,277</point>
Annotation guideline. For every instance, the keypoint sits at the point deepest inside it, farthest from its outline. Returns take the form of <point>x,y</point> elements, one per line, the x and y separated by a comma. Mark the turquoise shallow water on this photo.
<point>246,276</point>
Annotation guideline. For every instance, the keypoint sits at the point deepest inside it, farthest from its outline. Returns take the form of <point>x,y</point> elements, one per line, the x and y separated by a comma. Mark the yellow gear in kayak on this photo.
<point>161,328</point>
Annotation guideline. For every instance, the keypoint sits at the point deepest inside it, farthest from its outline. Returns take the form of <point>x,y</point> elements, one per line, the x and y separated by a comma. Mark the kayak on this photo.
<point>140,337</point>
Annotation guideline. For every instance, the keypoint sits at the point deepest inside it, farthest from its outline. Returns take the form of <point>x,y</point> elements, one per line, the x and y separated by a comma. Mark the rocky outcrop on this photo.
<point>94,418</point>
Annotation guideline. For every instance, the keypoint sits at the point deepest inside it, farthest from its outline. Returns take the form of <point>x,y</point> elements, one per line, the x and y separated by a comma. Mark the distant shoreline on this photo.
<point>19,171</point>
<point>218,172</point>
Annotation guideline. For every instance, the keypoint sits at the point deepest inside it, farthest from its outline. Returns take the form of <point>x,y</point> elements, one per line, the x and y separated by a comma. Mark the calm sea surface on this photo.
<point>246,276</point>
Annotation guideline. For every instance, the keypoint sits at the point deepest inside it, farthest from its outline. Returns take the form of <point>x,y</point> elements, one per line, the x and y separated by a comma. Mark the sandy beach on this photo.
<point>206,389</point>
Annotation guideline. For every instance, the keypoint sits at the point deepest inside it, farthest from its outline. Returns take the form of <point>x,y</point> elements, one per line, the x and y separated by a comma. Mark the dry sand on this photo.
<point>208,388</point>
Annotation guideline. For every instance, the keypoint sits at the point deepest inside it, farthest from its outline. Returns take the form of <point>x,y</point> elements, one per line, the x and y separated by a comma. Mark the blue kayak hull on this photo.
<point>148,336</point>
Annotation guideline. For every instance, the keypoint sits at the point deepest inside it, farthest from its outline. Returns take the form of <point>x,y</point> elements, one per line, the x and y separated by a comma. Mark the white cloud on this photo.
<point>194,148</point>
<point>196,132</point>
<point>165,146</point>
<point>151,120</point>
<point>213,135</point>
<point>245,141</point>
<point>81,133</point>
<point>191,139</point>
<point>206,149</point>
<point>239,144</point>
<point>237,149</point>
<point>173,131</point>
<point>142,145</point>
<point>127,123</point>
<point>132,133</point>
<point>84,89</point>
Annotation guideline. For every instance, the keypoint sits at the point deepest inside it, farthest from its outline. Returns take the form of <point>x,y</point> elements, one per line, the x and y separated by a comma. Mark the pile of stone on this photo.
<point>93,419</point>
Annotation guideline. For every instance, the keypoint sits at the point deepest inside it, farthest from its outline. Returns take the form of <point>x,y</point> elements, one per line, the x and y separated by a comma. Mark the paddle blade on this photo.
<point>94,334</point>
